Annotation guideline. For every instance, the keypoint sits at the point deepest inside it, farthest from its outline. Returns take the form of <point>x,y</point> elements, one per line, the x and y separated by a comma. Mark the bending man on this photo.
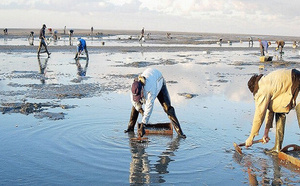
<point>81,45</point>
<point>275,95</point>
<point>145,89</point>
<point>280,44</point>
<point>264,45</point>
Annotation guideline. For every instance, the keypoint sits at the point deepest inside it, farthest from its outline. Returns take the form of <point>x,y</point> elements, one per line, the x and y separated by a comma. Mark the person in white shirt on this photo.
<point>150,85</point>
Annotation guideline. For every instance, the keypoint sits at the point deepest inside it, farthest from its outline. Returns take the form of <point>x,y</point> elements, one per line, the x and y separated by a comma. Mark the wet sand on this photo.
<point>62,121</point>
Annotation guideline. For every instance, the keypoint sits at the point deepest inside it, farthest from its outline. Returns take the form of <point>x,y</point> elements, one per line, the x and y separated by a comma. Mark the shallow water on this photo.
<point>88,145</point>
<point>123,40</point>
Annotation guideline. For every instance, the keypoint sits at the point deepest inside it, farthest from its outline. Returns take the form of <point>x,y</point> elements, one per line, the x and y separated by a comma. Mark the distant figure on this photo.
<point>280,43</point>
<point>42,40</point>
<point>264,45</point>
<point>81,45</point>
<point>65,30</point>
<point>169,35</point>
<point>142,35</point>
<point>31,38</point>
<point>50,30</point>
<point>92,30</point>
<point>5,31</point>
<point>295,45</point>
<point>55,35</point>
<point>148,35</point>
<point>70,37</point>
<point>220,42</point>
<point>250,39</point>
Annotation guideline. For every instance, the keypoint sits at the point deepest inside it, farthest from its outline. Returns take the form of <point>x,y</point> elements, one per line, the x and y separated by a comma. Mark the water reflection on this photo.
<point>81,71</point>
<point>261,168</point>
<point>142,171</point>
<point>43,65</point>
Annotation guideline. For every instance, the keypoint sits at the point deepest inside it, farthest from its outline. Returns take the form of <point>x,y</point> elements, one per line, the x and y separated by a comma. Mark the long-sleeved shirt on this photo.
<point>273,96</point>
<point>153,85</point>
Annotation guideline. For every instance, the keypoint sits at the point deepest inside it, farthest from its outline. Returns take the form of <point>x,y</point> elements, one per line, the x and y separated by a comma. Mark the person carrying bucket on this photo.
<point>275,95</point>
<point>148,86</point>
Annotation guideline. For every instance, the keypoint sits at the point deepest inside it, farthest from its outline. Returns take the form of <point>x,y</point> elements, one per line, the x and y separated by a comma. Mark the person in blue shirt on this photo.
<point>264,45</point>
<point>81,45</point>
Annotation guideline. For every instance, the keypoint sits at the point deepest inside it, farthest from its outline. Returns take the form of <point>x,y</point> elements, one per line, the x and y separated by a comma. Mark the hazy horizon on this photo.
<point>269,17</point>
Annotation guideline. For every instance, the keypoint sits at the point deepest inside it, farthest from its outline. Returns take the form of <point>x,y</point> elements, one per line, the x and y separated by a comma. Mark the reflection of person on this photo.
<point>81,71</point>
<point>264,45</point>
<point>280,44</point>
<point>81,45</point>
<point>150,85</point>
<point>42,40</point>
<point>43,67</point>
<point>274,94</point>
<point>141,169</point>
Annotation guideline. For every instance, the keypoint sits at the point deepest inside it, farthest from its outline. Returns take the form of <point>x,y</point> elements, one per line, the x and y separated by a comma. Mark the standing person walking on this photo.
<point>42,40</point>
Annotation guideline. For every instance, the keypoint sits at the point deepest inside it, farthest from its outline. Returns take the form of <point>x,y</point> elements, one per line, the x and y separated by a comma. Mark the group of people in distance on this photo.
<point>264,45</point>
<point>81,44</point>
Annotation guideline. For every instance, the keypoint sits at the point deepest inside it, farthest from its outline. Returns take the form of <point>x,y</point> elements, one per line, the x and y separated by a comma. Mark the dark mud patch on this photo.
<point>188,95</point>
<point>26,75</point>
<point>126,76</point>
<point>35,108</point>
<point>172,82</point>
<point>242,63</point>
<point>167,62</point>
<point>56,91</point>
<point>222,81</point>
<point>50,115</point>
<point>142,64</point>
<point>206,63</point>
<point>139,64</point>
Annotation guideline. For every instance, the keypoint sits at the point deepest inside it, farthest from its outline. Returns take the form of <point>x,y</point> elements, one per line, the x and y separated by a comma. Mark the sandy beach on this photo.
<point>62,120</point>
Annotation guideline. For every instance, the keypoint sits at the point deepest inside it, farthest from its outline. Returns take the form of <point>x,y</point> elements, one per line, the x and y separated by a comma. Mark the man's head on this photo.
<point>78,42</point>
<point>137,91</point>
<point>44,26</point>
<point>269,43</point>
<point>253,83</point>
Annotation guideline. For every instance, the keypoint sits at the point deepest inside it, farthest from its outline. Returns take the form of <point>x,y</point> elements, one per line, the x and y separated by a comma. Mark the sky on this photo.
<point>257,17</point>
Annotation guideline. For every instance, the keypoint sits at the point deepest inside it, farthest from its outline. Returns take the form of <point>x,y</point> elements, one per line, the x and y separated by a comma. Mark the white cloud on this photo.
<point>120,2</point>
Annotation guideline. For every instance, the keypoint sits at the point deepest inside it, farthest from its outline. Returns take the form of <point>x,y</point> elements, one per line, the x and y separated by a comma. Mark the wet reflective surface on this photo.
<point>88,146</point>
